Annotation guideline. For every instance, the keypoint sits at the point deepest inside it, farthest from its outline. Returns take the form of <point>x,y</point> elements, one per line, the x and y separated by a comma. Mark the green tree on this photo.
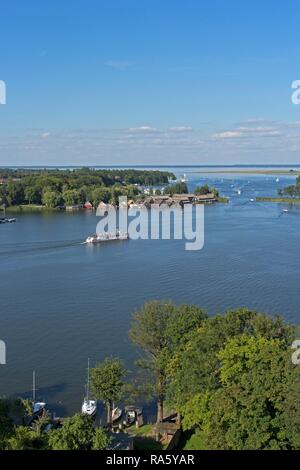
<point>77,433</point>
<point>202,190</point>
<point>40,423</point>
<point>100,195</point>
<point>246,412</point>
<point>51,198</point>
<point>100,439</point>
<point>176,188</point>
<point>24,438</point>
<point>198,370</point>
<point>71,197</point>
<point>107,382</point>
<point>32,195</point>
<point>158,329</point>
<point>214,191</point>
<point>6,423</point>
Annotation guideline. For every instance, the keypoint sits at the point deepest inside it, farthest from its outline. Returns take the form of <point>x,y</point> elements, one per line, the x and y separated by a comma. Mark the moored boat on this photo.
<point>116,414</point>
<point>37,406</point>
<point>88,407</point>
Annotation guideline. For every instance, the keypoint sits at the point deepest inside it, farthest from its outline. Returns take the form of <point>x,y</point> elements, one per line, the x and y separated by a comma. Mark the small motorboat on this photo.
<point>38,408</point>
<point>11,220</point>
<point>285,210</point>
<point>130,416</point>
<point>252,200</point>
<point>116,414</point>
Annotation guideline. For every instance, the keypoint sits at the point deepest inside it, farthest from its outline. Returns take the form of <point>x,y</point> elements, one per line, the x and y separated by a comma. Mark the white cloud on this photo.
<point>181,129</point>
<point>143,129</point>
<point>243,132</point>
<point>227,135</point>
<point>45,135</point>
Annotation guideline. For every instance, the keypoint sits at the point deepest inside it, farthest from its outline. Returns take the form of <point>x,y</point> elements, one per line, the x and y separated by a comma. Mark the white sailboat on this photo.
<point>89,407</point>
<point>37,406</point>
<point>184,178</point>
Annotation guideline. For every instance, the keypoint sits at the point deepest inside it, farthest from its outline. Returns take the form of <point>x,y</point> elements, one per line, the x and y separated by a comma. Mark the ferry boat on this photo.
<point>106,236</point>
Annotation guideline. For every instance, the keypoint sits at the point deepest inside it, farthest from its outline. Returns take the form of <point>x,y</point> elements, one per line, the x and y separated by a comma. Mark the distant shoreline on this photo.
<point>279,200</point>
<point>258,172</point>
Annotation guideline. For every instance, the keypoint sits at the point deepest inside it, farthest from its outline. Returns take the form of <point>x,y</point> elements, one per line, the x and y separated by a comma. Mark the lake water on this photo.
<point>62,302</point>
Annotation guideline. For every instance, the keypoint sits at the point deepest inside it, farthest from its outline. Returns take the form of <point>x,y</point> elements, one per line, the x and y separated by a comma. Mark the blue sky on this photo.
<point>149,82</point>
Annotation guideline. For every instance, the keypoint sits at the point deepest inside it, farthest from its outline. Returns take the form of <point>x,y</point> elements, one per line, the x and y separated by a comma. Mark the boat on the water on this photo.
<point>5,220</point>
<point>116,414</point>
<point>38,407</point>
<point>88,407</point>
<point>184,179</point>
<point>106,236</point>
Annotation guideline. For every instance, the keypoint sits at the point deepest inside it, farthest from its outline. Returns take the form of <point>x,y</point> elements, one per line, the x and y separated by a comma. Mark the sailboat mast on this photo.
<point>33,386</point>
<point>88,380</point>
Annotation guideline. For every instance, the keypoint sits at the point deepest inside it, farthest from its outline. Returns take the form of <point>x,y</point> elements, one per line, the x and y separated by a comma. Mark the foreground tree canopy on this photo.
<point>234,381</point>
<point>160,329</point>
<point>78,433</point>
<point>107,383</point>
<point>229,376</point>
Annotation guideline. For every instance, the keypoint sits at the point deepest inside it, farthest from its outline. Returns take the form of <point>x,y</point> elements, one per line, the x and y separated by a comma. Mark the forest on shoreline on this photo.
<point>52,188</point>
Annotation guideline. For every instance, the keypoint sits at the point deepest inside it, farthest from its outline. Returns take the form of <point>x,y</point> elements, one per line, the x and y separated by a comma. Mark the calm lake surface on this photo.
<point>62,302</point>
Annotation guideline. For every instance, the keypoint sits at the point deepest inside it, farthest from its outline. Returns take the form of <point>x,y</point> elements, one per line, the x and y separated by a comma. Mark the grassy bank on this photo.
<point>223,200</point>
<point>283,200</point>
<point>192,441</point>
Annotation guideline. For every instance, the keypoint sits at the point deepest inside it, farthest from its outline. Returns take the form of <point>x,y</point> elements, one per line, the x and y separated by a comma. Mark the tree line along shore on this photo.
<point>229,379</point>
<point>53,188</point>
<point>35,190</point>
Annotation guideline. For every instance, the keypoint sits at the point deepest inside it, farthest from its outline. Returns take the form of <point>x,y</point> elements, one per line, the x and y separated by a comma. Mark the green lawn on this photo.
<point>192,441</point>
<point>143,439</point>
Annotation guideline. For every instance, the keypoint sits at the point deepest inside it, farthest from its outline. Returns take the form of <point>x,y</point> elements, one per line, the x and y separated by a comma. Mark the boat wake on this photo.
<point>8,249</point>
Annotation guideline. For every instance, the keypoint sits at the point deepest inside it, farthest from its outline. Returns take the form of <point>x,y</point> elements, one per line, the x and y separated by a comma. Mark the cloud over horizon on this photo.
<point>147,144</point>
